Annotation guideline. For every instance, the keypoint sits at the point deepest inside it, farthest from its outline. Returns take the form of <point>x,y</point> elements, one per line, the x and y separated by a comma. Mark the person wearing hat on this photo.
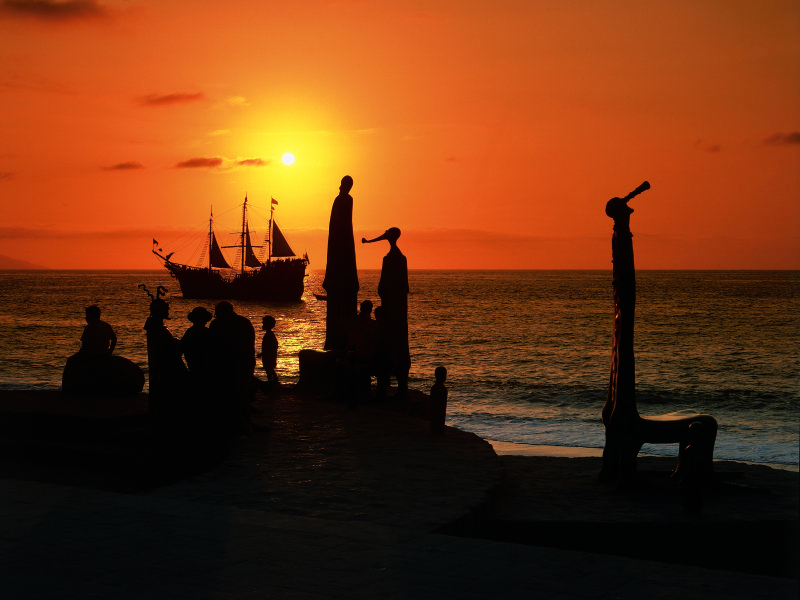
<point>196,343</point>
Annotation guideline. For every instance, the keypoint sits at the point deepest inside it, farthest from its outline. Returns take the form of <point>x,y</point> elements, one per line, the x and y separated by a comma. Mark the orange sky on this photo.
<point>491,133</point>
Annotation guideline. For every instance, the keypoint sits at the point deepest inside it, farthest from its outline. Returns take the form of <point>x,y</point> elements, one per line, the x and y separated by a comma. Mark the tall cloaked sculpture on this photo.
<point>626,430</point>
<point>341,276</point>
<point>393,290</point>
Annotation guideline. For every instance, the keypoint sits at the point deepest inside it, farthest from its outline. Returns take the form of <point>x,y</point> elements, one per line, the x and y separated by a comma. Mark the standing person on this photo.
<point>393,290</point>
<point>166,369</point>
<point>269,349</point>
<point>98,337</point>
<point>197,348</point>
<point>361,352</point>
<point>341,276</point>
<point>196,343</point>
<point>234,356</point>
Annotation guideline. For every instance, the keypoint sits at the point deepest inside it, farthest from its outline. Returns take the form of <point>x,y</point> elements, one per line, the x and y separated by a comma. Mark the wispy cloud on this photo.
<point>52,11</point>
<point>221,162</point>
<point>124,166</point>
<point>252,162</point>
<point>217,132</point>
<point>707,146</point>
<point>6,175</point>
<point>237,101</point>
<point>783,139</point>
<point>168,99</point>
<point>200,163</point>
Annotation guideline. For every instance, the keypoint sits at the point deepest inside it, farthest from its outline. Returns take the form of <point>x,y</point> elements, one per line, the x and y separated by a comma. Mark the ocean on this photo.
<point>527,352</point>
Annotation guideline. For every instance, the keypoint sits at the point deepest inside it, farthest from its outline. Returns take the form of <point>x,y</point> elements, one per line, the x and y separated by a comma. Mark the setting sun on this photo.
<point>287,159</point>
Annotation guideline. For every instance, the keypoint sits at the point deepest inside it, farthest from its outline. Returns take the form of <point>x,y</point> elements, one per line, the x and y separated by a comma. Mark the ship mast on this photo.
<point>244,224</point>
<point>269,242</point>
<point>210,235</point>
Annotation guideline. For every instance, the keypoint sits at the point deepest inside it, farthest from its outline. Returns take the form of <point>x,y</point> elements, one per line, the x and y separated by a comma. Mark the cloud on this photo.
<point>200,163</point>
<point>167,99</point>
<point>124,166</point>
<point>6,175</point>
<point>237,101</point>
<point>707,147</point>
<point>217,132</point>
<point>783,139</point>
<point>252,162</point>
<point>52,11</point>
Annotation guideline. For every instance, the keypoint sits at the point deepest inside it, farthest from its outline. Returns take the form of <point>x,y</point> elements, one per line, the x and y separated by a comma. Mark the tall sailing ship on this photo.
<point>278,278</point>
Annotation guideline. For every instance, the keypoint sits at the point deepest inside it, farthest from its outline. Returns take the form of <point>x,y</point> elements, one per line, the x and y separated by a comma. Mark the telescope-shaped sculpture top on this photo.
<point>618,209</point>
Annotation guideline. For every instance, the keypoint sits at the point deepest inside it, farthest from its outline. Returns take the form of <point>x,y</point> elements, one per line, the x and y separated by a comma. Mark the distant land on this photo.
<point>8,263</point>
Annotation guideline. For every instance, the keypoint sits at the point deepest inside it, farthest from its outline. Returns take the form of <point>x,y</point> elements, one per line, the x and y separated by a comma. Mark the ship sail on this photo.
<point>216,258</point>
<point>250,258</point>
<point>281,280</point>
<point>280,247</point>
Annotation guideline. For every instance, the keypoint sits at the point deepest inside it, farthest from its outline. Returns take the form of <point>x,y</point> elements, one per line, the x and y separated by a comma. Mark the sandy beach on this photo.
<point>378,465</point>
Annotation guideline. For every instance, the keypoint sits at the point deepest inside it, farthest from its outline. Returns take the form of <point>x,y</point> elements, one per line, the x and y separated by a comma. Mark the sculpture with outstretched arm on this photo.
<point>626,430</point>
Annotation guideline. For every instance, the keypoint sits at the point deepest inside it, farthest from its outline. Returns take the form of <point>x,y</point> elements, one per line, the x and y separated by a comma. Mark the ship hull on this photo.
<point>275,281</point>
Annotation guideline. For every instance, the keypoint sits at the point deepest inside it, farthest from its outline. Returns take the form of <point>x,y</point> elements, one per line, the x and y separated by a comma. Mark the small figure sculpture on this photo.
<point>626,430</point>
<point>341,276</point>
<point>438,408</point>
<point>393,290</point>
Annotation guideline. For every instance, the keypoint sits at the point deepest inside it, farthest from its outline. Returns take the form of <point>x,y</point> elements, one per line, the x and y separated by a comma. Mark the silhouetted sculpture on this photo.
<point>167,373</point>
<point>438,407</point>
<point>94,370</point>
<point>341,277</point>
<point>234,338</point>
<point>393,290</point>
<point>626,430</point>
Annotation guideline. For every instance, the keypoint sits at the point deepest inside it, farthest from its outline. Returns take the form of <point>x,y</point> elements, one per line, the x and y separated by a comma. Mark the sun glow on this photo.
<point>287,159</point>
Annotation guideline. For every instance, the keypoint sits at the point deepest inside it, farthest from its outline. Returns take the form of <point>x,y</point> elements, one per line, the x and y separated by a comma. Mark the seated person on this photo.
<point>98,338</point>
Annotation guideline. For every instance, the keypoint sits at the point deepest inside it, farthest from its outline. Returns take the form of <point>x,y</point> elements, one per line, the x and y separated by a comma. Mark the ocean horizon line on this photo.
<point>428,270</point>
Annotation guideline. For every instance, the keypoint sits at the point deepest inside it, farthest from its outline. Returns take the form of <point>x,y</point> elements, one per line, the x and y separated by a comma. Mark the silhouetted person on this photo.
<point>98,338</point>
<point>94,369</point>
<point>362,351</point>
<point>269,348</point>
<point>196,343</point>
<point>438,408</point>
<point>393,290</point>
<point>168,375</point>
<point>234,355</point>
<point>341,277</point>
